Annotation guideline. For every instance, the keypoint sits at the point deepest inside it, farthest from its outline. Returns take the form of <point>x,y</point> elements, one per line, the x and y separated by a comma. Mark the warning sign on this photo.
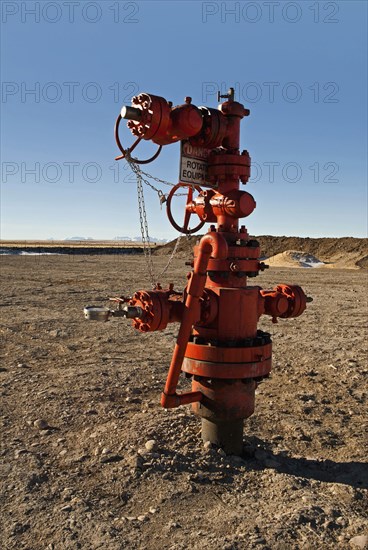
<point>193,164</point>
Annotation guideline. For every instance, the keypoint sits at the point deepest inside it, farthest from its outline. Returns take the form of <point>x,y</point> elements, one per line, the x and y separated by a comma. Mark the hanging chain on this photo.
<point>144,230</point>
<point>147,249</point>
<point>172,255</point>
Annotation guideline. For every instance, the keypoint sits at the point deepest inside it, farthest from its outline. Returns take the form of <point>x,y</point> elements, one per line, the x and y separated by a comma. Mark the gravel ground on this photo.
<point>89,460</point>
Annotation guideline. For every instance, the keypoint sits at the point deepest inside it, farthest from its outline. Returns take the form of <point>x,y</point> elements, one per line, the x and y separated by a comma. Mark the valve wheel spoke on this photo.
<point>127,152</point>
<point>187,214</point>
<point>185,227</point>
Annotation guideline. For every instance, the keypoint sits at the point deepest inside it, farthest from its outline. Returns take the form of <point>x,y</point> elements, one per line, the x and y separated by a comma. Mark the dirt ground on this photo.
<point>80,401</point>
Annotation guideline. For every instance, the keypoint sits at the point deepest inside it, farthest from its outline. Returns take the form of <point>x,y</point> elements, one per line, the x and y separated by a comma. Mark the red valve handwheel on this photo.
<point>130,149</point>
<point>183,229</point>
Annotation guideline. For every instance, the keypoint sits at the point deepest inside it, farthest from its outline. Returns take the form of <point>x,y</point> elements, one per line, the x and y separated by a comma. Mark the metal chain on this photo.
<point>143,219</point>
<point>144,230</point>
<point>172,255</point>
<point>134,166</point>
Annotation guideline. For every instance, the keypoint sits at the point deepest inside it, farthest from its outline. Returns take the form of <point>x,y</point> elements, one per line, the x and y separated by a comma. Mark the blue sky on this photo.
<point>68,67</point>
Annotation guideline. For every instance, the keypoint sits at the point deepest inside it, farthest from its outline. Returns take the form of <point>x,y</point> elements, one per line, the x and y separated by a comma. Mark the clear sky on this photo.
<point>68,67</point>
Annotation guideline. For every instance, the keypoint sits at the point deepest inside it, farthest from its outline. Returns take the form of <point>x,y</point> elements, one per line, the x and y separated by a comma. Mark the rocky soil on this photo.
<point>89,460</point>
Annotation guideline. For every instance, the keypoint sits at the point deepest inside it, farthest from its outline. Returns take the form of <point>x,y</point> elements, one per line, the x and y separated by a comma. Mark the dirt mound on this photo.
<point>344,252</point>
<point>294,258</point>
<point>184,248</point>
<point>363,263</point>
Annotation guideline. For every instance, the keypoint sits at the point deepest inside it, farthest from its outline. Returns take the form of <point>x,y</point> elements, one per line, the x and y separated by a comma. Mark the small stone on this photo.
<point>110,458</point>
<point>135,462</point>
<point>152,510</point>
<point>361,541</point>
<point>91,411</point>
<point>135,391</point>
<point>22,366</point>
<point>142,518</point>
<point>63,452</point>
<point>130,518</point>
<point>41,424</point>
<point>55,333</point>
<point>81,458</point>
<point>151,445</point>
<point>221,452</point>
<point>142,452</point>
<point>19,528</point>
<point>105,451</point>
<point>66,508</point>
<point>207,445</point>
<point>259,540</point>
<point>20,452</point>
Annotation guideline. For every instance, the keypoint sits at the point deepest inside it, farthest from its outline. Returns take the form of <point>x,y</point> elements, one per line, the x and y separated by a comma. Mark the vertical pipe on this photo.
<point>215,244</point>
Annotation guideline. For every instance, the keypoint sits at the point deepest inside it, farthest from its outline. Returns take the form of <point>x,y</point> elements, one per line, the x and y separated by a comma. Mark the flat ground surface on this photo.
<point>83,478</point>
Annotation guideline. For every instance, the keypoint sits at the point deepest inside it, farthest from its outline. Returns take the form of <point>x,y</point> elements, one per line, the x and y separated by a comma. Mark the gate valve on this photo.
<point>284,301</point>
<point>188,208</point>
<point>159,307</point>
<point>153,118</point>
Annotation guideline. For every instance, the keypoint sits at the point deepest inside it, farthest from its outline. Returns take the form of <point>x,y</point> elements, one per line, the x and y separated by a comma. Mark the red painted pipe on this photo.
<point>213,244</point>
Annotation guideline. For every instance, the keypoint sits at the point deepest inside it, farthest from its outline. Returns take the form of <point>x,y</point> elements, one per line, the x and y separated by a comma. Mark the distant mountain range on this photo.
<point>139,239</point>
<point>125,238</point>
<point>78,239</point>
